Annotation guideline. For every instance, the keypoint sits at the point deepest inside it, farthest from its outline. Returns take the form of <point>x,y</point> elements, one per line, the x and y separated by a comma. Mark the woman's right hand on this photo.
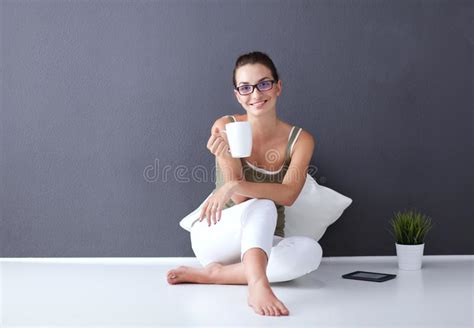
<point>212,208</point>
<point>217,143</point>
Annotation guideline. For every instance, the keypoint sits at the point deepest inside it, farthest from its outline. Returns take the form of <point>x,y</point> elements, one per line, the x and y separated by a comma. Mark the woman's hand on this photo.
<point>214,204</point>
<point>217,143</point>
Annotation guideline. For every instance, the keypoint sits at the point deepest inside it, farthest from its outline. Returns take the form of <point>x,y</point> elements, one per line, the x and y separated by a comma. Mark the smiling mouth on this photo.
<point>259,103</point>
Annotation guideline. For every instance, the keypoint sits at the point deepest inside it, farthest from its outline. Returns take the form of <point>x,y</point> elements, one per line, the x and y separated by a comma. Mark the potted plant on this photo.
<point>410,228</point>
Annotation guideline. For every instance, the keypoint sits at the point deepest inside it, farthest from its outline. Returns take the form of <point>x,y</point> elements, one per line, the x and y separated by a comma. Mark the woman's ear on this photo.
<point>279,87</point>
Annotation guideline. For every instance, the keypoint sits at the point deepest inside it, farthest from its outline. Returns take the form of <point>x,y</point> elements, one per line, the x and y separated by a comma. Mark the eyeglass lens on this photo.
<point>262,86</point>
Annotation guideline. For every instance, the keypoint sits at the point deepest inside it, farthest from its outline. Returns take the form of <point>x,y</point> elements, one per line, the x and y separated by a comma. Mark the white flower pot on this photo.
<point>409,256</point>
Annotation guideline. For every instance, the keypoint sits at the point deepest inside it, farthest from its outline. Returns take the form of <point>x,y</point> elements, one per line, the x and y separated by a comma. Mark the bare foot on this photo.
<point>264,302</point>
<point>187,274</point>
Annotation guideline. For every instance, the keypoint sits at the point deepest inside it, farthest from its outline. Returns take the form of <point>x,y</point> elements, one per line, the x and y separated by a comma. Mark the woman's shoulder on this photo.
<point>302,138</point>
<point>220,122</point>
<point>302,133</point>
<point>238,117</point>
<point>305,142</point>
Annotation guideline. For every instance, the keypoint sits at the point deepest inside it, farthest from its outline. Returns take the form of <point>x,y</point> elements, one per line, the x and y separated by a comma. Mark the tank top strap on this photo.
<point>231,117</point>
<point>294,133</point>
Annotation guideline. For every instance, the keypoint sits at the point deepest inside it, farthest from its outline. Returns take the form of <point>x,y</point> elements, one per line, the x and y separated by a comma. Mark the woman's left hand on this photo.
<point>212,208</point>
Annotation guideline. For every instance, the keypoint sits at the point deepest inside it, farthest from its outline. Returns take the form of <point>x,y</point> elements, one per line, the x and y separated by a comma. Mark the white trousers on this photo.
<point>251,224</point>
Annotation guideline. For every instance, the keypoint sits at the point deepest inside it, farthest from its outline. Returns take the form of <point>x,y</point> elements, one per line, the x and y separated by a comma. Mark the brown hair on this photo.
<point>255,57</point>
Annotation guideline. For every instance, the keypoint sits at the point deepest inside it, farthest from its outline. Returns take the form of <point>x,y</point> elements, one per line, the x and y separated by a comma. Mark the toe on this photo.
<point>267,311</point>
<point>283,309</point>
<point>271,310</point>
<point>276,311</point>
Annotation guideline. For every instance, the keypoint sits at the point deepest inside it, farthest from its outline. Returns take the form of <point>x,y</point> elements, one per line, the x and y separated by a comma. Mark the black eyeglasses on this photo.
<point>247,89</point>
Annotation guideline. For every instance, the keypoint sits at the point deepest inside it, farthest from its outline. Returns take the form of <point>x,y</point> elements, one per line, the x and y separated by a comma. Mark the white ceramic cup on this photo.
<point>239,137</point>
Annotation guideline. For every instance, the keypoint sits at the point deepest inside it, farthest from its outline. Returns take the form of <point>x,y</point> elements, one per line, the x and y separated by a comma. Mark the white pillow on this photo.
<point>316,208</point>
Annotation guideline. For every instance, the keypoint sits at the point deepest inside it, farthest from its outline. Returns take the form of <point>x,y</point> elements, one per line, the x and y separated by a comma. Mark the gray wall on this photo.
<point>99,97</point>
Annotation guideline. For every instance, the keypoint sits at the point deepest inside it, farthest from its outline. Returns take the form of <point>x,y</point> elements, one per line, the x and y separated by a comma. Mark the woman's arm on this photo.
<point>231,168</point>
<point>286,192</point>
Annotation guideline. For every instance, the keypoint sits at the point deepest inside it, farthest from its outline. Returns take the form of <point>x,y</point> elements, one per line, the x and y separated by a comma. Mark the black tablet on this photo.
<point>369,276</point>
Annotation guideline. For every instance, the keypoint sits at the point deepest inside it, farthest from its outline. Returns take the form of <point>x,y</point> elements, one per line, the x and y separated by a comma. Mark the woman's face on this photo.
<point>258,102</point>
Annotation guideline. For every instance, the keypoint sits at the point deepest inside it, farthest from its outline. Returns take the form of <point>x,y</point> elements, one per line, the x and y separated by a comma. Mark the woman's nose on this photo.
<point>255,93</point>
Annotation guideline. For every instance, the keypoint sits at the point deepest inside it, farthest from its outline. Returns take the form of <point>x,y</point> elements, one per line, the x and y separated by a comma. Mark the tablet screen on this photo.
<point>368,275</point>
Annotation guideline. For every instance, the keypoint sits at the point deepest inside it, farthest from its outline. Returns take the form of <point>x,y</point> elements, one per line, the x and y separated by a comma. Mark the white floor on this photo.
<point>100,292</point>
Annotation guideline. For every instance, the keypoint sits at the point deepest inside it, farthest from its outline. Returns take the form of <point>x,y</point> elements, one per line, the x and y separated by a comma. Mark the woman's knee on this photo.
<point>266,203</point>
<point>264,206</point>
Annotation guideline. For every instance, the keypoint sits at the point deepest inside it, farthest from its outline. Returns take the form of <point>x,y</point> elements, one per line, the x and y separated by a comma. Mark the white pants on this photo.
<point>251,224</point>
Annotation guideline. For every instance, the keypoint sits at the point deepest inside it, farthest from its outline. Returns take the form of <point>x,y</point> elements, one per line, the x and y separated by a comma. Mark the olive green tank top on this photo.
<point>255,174</point>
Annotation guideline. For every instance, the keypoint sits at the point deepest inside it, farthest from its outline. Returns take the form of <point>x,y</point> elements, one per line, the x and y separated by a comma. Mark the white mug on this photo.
<point>239,136</point>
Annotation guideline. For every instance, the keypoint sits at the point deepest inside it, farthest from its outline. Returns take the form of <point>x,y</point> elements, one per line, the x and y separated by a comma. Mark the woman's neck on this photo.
<point>264,127</point>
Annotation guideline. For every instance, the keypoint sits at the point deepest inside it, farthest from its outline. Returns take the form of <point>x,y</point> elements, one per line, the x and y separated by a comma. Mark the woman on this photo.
<point>245,214</point>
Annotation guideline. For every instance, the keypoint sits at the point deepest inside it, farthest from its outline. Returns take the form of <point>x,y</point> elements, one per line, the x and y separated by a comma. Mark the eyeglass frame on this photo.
<point>254,86</point>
